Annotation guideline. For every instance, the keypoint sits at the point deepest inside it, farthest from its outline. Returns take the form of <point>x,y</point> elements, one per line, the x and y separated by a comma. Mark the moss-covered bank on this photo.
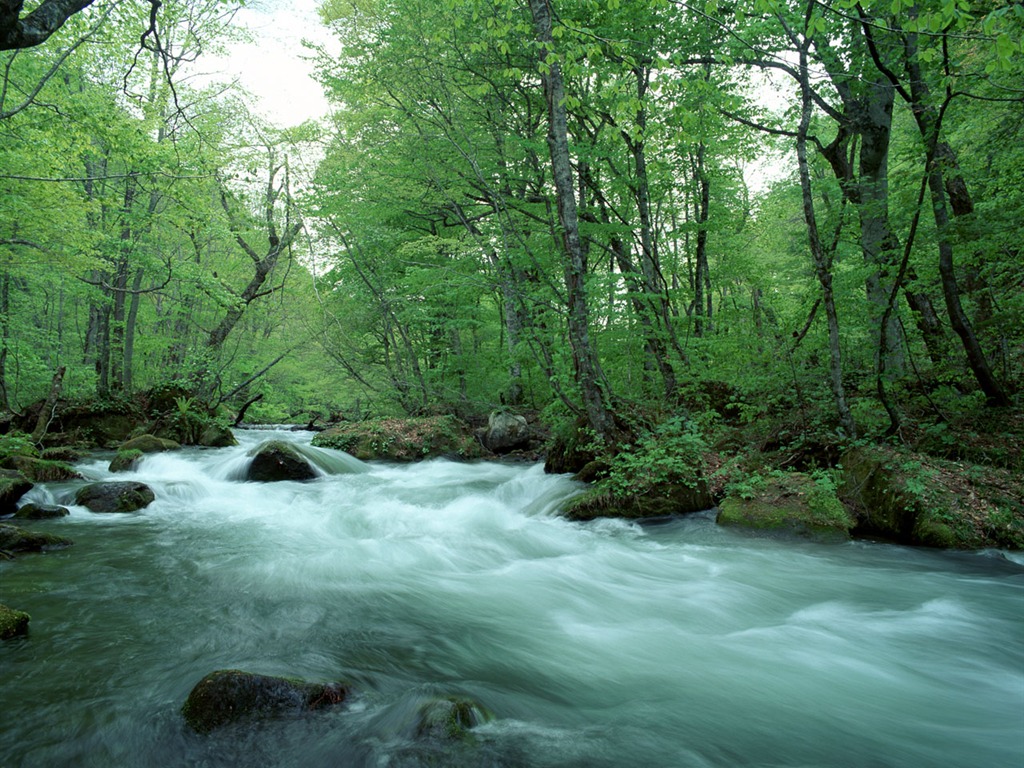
<point>410,439</point>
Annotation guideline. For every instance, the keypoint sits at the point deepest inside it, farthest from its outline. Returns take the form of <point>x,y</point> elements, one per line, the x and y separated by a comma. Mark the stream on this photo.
<point>595,645</point>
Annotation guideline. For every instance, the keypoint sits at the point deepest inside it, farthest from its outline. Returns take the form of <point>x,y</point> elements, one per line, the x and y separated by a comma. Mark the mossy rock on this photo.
<point>191,428</point>
<point>231,695</point>
<point>790,504</point>
<point>276,460</point>
<point>125,496</point>
<point>659,501</point>
<point>14,539</point>
<point>13,485</point>
<point>42,470</point>
<point>217,435</point>
<point>403,440</point>
<point>149,444</point>
<point>126,461</point>
<point>33,511</point>
<point>450,718</point>
<point>12,622</point>
<point>912,498</point>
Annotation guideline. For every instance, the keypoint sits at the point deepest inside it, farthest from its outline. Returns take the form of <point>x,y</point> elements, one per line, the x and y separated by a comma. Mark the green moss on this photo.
<point>411,439</point>
<point>792,504</point>
<point>659,501</point>
<point>14,539</point>
<point>41,470</point>
<point>12,622</point>
<point>126,460</point>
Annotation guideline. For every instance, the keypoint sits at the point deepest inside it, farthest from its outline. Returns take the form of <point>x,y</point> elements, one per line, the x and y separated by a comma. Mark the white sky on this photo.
<point>272,68</point>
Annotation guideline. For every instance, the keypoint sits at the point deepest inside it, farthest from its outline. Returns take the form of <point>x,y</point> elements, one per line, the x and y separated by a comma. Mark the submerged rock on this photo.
<point>230,695</point>
<point>450,718</point>
<point>13,485</point>
<point>12,622</point>
<point>277,460</point>
<point>33,511</point>
<point>790,504</point>
<point>125,496</point>
<point>14,539</point>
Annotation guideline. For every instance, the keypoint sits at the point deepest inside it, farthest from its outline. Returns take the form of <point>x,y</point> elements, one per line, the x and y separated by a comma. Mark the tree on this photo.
<point>36,27</point>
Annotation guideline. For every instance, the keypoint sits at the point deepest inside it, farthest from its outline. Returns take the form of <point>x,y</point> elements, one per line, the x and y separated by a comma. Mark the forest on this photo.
<point>742,241</point>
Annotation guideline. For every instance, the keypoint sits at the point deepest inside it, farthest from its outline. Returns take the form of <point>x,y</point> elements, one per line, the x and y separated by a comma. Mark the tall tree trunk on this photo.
<point>131,319</point>
<point>929,125</point>
<point>654,282</point>
<point>5,334</point>
<point>702,296</point>
<point>46,412</point>
<point>822,257</point>
<point>878,245</point>
<point>585,362</point>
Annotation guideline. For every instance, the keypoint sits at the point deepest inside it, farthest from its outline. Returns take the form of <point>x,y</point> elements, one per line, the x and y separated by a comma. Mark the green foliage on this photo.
<point>17,444</point>
<point>670,454</point>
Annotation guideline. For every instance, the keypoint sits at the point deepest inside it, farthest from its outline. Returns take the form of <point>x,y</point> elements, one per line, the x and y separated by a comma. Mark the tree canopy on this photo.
<point>605,212</point>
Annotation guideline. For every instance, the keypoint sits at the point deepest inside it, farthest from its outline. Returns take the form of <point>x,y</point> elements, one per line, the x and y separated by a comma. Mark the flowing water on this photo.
<point>603,644</point>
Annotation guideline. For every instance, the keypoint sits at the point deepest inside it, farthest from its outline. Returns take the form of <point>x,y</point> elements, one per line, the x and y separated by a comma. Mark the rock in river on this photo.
<point>12,622</point>
<point>14,539</point>
<point>126,496</point>
<point>32,511</point>
<point>230,695</point>
<point>277,460</point>
<point>13,485</point>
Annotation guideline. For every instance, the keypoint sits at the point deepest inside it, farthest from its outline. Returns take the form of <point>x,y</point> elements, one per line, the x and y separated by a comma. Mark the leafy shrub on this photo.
<point>670,454</point>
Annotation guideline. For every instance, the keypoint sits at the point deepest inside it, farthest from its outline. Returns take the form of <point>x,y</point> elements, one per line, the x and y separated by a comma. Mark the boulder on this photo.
<point>33,511</point>
<point>14,539</point>
<point>13,485</point>
<point>149,444</point>
<point>12,622</point>
<point>277,460</point>
<point>125,496</point>
<point>217,436</point>
<point>505,432</point>
<point>791,504</point>
<point>230,695</point>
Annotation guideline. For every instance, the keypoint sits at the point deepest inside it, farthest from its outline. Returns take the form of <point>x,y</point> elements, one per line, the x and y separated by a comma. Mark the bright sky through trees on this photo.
<point>273,67</point>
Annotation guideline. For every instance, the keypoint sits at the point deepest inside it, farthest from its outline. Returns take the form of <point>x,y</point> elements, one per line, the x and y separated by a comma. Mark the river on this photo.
<point>594,645</point>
